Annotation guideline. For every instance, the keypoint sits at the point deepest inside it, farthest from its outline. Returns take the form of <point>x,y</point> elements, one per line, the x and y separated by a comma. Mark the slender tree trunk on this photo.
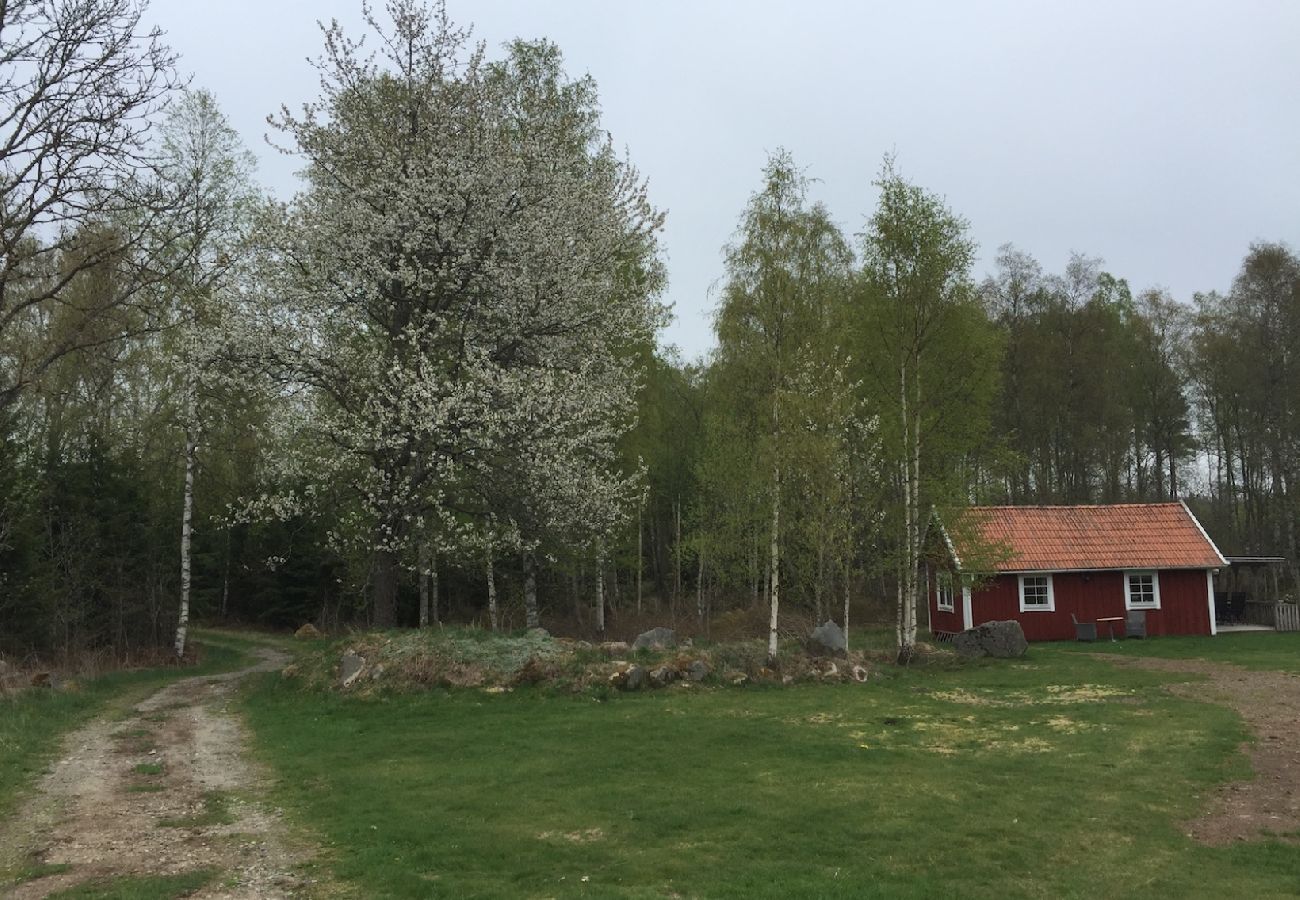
<point>385,588</point>
<point>187,515</point>
<point>774,548</point>
<point>821,575</point>
<point>908,648</point>
<point>423,563</point>
<point>531,619</point>
<point>492,593</point>
<point>677,553</point>
<point>640,554</point>
<point>774,564</point>
<point>225,580</point>
<point>600,589</point>
<point>848,590</point>
<point>699,588</point>
<point>433,585</point>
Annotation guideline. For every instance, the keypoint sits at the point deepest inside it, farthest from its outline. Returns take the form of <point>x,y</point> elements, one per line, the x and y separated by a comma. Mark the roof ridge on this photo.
<point>1170,503</point>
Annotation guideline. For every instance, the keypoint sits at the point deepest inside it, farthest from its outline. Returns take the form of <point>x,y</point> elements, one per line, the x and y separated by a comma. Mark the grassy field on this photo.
<point>1056,776</point>
<point>1253,650</point>
<point>32,722</point>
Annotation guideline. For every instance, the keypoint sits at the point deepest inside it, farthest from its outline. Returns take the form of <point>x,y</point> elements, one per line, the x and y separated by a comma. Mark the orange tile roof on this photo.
<point>1059,538</point>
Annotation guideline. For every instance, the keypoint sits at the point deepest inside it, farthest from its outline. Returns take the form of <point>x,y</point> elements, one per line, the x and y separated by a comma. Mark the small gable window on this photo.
<point>1141,590</point>
<point>945,592</point>
<point>1036,593</point>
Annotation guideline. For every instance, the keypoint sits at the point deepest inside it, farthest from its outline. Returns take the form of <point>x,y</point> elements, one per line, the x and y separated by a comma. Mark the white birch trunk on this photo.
<point>848,585</point>
<point>774,565</point>
<point>187,515</point>
<point>600,590</point>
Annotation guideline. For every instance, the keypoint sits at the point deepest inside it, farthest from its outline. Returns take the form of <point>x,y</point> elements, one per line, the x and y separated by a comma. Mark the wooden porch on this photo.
<point>1247,596</point>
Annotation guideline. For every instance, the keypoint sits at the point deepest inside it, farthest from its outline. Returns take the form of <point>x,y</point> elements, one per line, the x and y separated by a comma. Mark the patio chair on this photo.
<point>1135,623</point>
<point>1084,631</point>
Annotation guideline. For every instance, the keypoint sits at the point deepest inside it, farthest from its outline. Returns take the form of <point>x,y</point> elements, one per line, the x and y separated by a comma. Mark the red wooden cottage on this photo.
<point>1047,564</point>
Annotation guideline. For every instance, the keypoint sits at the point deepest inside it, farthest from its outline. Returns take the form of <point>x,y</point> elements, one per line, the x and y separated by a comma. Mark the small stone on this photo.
<point>859,674</point>
<point>308,632</point>
<point>636,678</point>
<point>698,670</point>
<point>787,679</point>
<point>615,648</point>
<point>662,676</point>
<point>351,668</point>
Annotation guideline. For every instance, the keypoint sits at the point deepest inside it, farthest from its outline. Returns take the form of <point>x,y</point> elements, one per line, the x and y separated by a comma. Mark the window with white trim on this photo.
<point>944,592</point>
<point>1036,594</point>
<point>1141,590</point>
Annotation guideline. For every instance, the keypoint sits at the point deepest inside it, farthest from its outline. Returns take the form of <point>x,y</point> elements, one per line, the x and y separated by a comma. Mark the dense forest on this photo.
<point>428,387</point>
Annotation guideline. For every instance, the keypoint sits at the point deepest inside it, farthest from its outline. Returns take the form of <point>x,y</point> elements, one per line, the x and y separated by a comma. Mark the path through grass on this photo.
<point>1056,776</point>
<point>32,722</point>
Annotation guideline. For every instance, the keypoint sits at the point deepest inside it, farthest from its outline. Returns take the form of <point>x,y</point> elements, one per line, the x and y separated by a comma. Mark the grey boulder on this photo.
<point>655,639</point>
<point>827,639</point>
<point>1001,640</point>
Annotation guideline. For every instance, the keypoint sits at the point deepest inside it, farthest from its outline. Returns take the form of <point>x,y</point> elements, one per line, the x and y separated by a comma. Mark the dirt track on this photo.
<point>103,808</point>
<point>1269,702</point>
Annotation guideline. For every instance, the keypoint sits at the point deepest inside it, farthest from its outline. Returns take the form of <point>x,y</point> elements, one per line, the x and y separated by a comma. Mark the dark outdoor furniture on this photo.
<point>1135,625</point>
<point>1084,631</point>
<point>1110,625</point>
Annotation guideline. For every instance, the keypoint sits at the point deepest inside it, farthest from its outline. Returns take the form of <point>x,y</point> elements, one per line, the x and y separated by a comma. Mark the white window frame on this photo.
<point>1051,593</point>
<point>1128,589</point>
<point>943,584</point>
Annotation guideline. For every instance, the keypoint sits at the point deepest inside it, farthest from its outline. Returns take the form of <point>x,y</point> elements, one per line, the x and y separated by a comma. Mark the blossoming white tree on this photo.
<point>453,296</point>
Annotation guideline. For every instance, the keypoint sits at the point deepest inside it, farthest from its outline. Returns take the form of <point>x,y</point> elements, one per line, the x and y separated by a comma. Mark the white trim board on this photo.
<point>1209,590</point>
<point>1204,534</point>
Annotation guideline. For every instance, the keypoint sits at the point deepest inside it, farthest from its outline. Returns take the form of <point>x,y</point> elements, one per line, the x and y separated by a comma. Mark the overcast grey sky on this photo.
<point>1160,136</point>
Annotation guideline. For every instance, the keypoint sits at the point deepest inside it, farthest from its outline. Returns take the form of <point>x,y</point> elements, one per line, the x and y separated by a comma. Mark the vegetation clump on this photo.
<point>407,661</point>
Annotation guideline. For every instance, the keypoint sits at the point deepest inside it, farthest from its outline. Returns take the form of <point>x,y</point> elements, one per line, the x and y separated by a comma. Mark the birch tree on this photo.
<point>786,268</point>
<point>456,286</point>
<point>205,169</point>
<point>929,347</point>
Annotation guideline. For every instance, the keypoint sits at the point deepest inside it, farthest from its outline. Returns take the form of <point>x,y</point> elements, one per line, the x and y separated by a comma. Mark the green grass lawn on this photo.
<point>1059,775</point>
<point>32,722</point>
<point>1252,649</point>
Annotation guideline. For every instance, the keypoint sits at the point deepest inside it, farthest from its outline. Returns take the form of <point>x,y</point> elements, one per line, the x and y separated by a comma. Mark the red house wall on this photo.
<point>943,620</point>
<point>1184,607</point>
